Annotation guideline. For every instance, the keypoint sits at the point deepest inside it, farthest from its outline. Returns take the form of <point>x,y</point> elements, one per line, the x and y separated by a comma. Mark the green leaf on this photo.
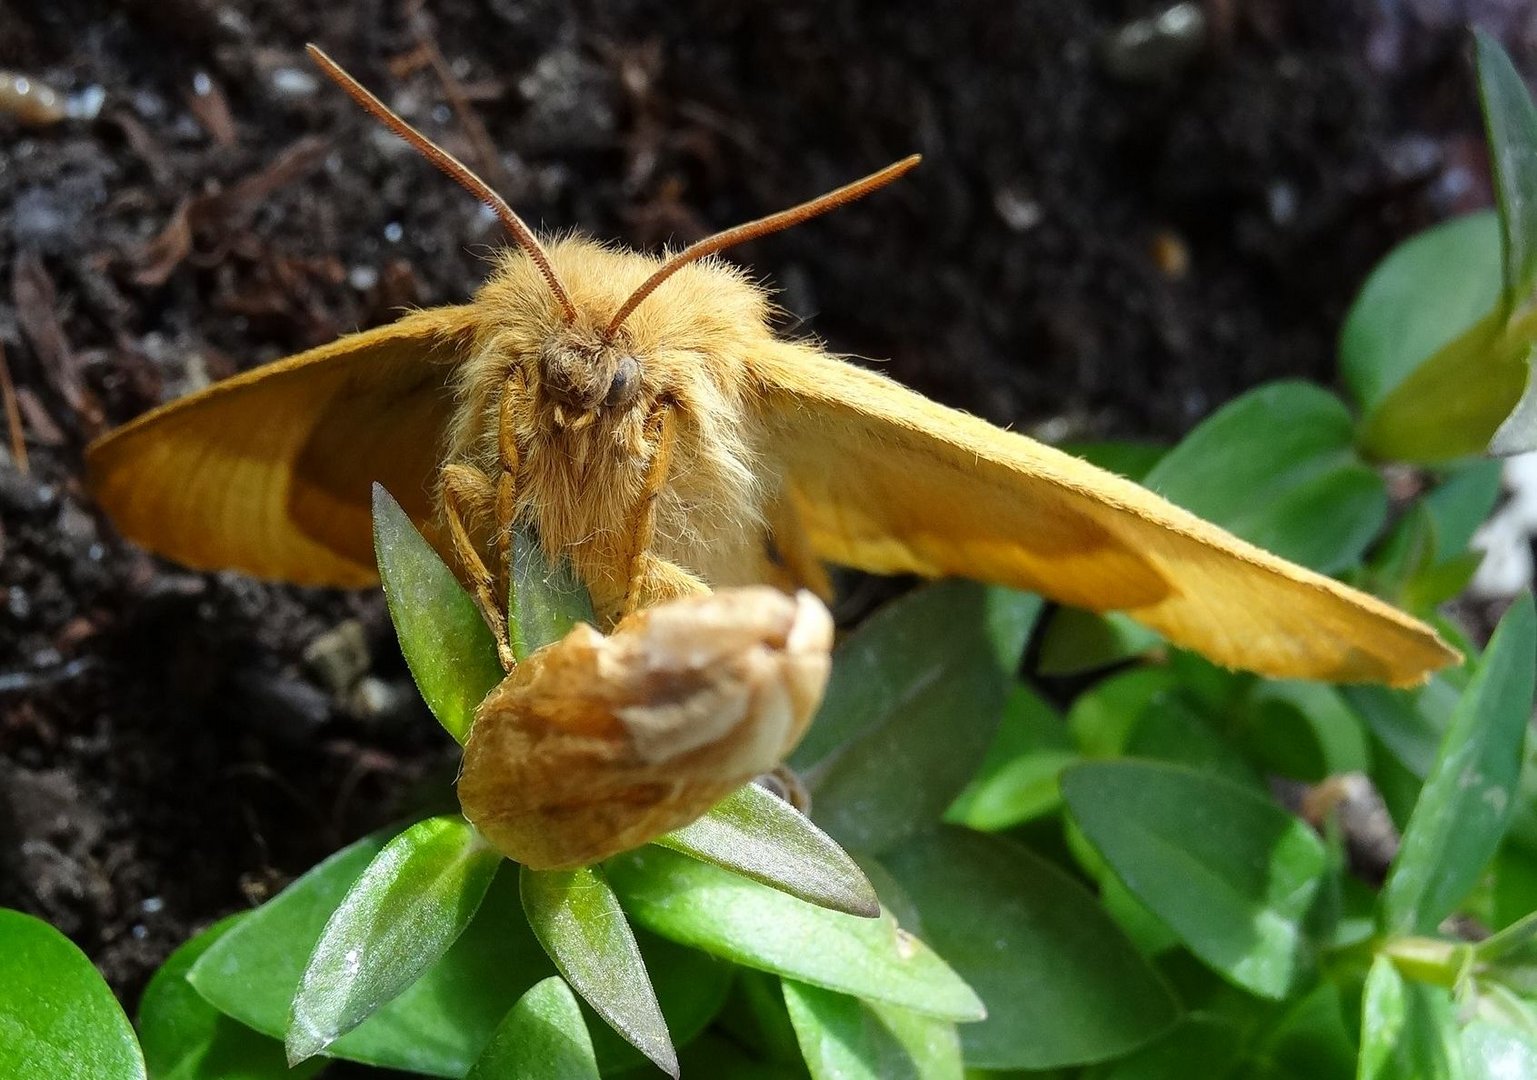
<point>442,1023</point>
<point>1177,732</point>
<point>755,833</point>
<point>576,917</point>
<point>1428,292</point>
<point>544,1035</point>
<point>1198,1046</point>
<point>1408,1030</point>
<point>1076,641</point>
<point>911,708</point>
<point>413,901</point>
<point>843,1038</point>
<point>1493,1052</point>
<point>1409,723</point>
<point>1226,869</point>
<point>1278,467</point>
<point>185,1038</point>
<point>721,913</point>
<point>546,601</point>
<point>1017,781</point>
<point>1461,502</point>
<point>1061,984</point>
<point>1312,1040</point>
<point>1517,433</point>
<point>1451,405</point>
<point>1103,717</point>
<point>1468,799</point>
<point>58,1019</point>
<point>446,643</point>
<point>1303,730</point>
<point>1510,117</point>
<point>438,1027</point>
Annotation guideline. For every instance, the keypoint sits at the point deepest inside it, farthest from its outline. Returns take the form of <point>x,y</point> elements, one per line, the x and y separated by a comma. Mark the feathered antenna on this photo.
<point>455,169</point>
<point>754,229</point>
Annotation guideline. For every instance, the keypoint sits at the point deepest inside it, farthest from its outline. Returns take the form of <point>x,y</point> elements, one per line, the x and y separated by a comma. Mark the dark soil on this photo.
<point>1079,254</point>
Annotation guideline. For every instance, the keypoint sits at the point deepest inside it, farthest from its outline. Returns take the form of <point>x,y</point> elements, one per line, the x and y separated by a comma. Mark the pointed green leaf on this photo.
<point>844,1038</point>
<point>546,602</point>
<point>1451,405</point>
<point>1271,466</point>
<point>447,646</point>
<point>721,913</point>
<point>1429,291</point>
<point>543,1036</point>
<point>186,1038</point>
<point>755,833</point>
<point>1469,797</point>
<point>58,1019</point>
<point>410,905</point>
<point>577,919</point>
<point>443,1022</point>
<point>910,711</point>
<point>1510,118</point>
<point>1225,868</point>
<point>1061,984</point>
<point>1517,433</point>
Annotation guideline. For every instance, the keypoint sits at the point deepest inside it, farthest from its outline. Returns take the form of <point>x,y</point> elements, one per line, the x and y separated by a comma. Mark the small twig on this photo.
<point>12,415</point>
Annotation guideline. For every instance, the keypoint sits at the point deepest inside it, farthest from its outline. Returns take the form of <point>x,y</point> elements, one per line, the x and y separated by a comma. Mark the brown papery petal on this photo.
<point>597,744</point>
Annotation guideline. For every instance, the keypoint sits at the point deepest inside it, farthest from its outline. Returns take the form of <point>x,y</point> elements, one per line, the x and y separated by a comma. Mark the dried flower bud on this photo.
<point>596,744</point>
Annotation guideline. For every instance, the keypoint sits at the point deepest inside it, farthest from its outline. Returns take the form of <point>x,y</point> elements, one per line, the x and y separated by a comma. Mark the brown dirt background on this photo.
<point>167,753</point>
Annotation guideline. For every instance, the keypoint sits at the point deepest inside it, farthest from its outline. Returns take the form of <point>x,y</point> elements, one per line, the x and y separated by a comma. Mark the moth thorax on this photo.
<point>588,375</point>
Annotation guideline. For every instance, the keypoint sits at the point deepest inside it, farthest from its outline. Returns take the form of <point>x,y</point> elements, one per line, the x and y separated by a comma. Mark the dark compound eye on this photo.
<point>626,381</point>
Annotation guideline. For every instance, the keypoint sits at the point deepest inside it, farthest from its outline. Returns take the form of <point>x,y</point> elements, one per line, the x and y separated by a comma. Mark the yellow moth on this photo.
<point>641,414</point>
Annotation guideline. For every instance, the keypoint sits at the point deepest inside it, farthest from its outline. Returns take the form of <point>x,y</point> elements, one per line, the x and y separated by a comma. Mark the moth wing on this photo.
<point>885,480</point>
<point>269,472</point>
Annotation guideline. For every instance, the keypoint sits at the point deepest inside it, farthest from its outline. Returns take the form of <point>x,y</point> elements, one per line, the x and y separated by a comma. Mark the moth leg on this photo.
<point>508,459</point>
<point>467,496</point>
<point>651,580</point>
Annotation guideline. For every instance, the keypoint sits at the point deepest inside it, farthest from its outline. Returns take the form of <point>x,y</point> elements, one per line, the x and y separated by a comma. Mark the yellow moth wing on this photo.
<point>885,480</point>
<point>269,472</point>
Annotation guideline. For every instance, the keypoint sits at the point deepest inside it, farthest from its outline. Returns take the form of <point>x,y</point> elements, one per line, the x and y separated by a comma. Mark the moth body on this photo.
<point>585,448</point>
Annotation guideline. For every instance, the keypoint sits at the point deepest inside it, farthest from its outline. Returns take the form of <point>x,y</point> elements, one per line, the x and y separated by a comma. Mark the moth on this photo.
<point>641,414</point>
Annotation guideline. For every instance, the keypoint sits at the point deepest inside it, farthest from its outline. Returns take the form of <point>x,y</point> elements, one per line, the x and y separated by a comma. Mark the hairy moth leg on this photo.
<point>651,580</point>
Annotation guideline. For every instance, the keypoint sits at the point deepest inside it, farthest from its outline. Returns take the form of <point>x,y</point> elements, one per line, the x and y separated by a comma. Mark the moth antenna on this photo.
<point>455,169</point>
<point>761,227</point>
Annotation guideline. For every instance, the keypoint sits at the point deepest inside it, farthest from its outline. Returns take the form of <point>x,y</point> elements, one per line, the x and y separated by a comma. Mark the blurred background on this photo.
<point>1128,213</point>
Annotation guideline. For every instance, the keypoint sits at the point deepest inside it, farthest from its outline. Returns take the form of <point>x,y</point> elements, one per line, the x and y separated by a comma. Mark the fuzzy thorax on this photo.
<point>582,472</point>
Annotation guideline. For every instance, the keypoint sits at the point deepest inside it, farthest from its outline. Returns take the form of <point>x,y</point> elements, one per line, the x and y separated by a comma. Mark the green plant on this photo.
<point>1083,844</point>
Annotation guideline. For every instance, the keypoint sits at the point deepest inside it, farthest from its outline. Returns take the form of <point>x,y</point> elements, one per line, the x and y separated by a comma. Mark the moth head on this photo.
<point>586,373</point>
<point>585,362</point>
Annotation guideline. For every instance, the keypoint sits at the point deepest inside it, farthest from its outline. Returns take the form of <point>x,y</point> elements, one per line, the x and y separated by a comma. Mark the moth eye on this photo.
<point>626,381</point>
